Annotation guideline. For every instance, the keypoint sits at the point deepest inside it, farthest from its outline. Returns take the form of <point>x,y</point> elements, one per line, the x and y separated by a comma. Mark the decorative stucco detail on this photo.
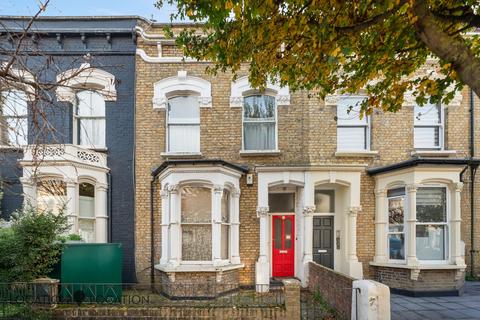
<point>262,212</point>
<point>242,86</point>
<point>308,210</point>
<point>354,210</point>
<point>182,83</point>
<point>85,77</point>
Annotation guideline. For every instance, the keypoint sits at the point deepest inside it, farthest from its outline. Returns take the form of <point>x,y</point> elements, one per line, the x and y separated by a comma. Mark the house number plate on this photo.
<point>283,251</point>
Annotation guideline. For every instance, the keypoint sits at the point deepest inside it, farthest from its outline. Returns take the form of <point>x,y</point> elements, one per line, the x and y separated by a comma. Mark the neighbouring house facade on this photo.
<point>76,147</point>
<point>245,186</point>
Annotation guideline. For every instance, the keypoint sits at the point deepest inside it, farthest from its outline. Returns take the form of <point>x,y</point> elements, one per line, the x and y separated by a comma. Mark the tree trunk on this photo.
<point>448,48</point>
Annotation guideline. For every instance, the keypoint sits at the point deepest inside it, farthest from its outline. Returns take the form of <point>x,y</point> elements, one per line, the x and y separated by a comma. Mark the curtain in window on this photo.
<point>91,119</point>
<point>427,126</point>
<point>259,123</point>
<point>351,130</point>
<point>14,123</point>
<point>183,124</point>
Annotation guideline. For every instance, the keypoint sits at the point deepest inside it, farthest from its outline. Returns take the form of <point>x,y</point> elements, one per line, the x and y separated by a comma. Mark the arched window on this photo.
<point>86,213</point>
<point>51,195</point>
<point>259,123</point>
<point>196,220</point>
<point>90,119</point>
<point>14,118</point>
<point>183,122</point>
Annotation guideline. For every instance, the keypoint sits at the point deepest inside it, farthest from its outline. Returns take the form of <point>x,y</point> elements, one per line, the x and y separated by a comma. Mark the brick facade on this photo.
<point>306,137</point>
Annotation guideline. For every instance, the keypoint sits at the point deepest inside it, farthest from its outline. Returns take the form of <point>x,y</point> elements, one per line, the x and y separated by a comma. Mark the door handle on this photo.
<point>322,251</point>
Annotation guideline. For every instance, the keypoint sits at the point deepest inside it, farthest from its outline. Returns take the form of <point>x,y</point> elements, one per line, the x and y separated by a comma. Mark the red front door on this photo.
<point>283,250</point>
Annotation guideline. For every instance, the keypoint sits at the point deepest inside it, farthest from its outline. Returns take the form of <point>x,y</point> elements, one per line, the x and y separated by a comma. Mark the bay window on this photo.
<point>259,123</point>
<point>14,118</point>
<point>196,220</point>
<point>90,119</point>
<point>428,126</point>
<point>431,227</point>
<point>353,131</point>
<point>51,195</point>
<point>225,238</point>
<point>183,123</point>
<point>396,218</point>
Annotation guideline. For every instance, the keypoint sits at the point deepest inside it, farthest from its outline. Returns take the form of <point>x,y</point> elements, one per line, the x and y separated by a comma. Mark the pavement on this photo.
<point>466,306</point>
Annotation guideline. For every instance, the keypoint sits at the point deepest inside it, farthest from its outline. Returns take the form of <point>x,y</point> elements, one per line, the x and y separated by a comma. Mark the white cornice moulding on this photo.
<point>242,85</point>
<point>145,57</point>
<point>181,83</point>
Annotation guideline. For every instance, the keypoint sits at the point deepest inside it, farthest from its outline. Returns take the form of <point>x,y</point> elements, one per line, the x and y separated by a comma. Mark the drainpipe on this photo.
<point>152,240</point>
<point>473,171</point>
<point>109,207</point>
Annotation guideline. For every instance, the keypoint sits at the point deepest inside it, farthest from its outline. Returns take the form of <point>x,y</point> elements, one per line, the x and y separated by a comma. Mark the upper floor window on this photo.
<point>183,123</point>
<point>259,123</point>
<point>353,131</point>
<point>14,118</point>
<point>89,128</point>
<point>428,126</point>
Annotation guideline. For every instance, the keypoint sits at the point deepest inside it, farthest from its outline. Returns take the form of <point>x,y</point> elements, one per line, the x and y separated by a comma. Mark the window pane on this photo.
<point>196,204</point>
<point>427,114</point>
<point>281,202</point>
<point>51,195</point>
<point>225,206</point>
<point>86,229</point>
<point>348,110</point>
<point>430,242</point>
<point>351,138</point>
<point>196,242</point>
<point>183,110</point>
<point>17,131</point>
<point>86,200</point>
<point>225,242</point>
<point>259,136</point>
<point>426,137</point>
<point>324,201</point>
<point>288,234</point>
<point>92,132</point>
<point>91,104</point>
<point>184,138</point>
<point>278,233</point>
<point>431,204</point>
<point>14,103</point>
<point>259,107</point>
<point>397,246</point>
<point>395,214</point>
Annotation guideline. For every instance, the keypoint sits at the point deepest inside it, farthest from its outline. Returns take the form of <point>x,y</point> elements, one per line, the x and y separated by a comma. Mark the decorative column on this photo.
<point>175,243</point>
<point>72,213</point>
<point>101,216</point>
<point>455,224</point>
<point>217,224</point>
<point>308,233</point>
<point>235,227</point>
<point>29,191</point>
<point>165,224</point>
<point>380,226</point>
<point>411,225</point>
<point>262,267</point>
<point>354,267</point>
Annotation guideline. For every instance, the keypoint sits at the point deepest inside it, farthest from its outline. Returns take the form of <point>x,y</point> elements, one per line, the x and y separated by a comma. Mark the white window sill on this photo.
<point>181,154</point>
<point>198,267</point>
<point>254,153</point>
<point>434,153</point>
<point>439,266</point>
<point>356,153</point>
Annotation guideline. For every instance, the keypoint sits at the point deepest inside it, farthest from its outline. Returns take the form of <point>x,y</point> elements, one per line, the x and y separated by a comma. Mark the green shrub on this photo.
<point>31,246</point>
<point>74,237</point>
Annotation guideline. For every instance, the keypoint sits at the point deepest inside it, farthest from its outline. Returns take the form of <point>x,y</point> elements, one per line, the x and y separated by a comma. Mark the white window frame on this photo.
<point>447,244</point>
<point>76,120</point>
<point>229,224</point>
<point>440,126</point>
<point>275,121</point>
<point>404,232</point>
<point>167,124</point>
<point>367,127</point>
<point>94,218</point>
<point>5,117</point>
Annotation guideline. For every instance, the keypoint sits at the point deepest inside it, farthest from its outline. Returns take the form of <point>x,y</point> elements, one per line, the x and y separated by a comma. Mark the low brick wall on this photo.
<point>428,283</point>
<point>334,287</point>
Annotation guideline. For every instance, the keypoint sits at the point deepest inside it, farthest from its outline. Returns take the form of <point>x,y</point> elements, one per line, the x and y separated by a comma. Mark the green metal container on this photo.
<point>91,272</point>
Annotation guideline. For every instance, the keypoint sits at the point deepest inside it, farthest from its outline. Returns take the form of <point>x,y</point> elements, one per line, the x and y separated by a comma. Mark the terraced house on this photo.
<point>248,186</point>
<point>205,179</point>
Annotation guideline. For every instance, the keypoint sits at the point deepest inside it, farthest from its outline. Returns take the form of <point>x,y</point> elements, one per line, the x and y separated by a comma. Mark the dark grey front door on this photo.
<point>323,241</point>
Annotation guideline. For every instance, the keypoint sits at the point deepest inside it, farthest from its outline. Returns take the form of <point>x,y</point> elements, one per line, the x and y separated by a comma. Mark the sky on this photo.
<point>142,8</point>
